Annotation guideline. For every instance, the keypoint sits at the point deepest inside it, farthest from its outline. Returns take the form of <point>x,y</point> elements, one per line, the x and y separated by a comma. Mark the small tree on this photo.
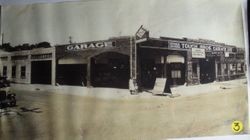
<point>7,47</point>
<point>43,45</point>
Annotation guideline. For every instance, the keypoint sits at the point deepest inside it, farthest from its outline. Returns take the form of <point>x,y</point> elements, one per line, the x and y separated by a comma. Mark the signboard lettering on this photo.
<point>141,35</point>
<point>188,46</point>
<point>75,47</point>
<point>174,45</point>
<point>207,48</point>
<point>198,53</point>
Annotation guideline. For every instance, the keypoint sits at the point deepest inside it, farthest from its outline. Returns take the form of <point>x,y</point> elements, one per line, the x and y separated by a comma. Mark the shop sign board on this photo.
<point>214,54</point>
<point>207,48</point>
<point>83,46</point>
<point>198,53</point>
<point>141,35</point>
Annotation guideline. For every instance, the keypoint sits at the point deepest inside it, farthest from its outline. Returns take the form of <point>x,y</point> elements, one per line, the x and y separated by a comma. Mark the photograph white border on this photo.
<point>244,11</point>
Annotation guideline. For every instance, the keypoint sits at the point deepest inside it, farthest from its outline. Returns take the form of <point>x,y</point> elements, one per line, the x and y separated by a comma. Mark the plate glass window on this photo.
<point>13,74</point>
<point>4,70</point>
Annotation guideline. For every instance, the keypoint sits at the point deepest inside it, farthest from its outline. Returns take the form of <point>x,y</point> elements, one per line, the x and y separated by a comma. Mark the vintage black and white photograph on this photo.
<point>123,70</point>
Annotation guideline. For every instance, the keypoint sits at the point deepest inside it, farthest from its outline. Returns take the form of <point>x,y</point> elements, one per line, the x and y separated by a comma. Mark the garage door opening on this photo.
<point>71,74</point>
<point>110,69</point>
<point>41,72</point>
<point>207,70</point>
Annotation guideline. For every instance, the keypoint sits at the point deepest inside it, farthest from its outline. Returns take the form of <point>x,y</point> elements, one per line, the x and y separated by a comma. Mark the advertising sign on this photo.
<point>198,53</point>
<point>141,35</point>
<point>207,48</point>
<point>82,46</point>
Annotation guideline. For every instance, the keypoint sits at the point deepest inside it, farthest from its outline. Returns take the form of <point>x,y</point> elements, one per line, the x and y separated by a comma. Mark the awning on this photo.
<point>175,59</point>
<point>72,60</point>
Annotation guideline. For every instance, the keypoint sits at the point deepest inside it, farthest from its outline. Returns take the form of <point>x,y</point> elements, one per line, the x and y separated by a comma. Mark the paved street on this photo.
<point>44,114</point>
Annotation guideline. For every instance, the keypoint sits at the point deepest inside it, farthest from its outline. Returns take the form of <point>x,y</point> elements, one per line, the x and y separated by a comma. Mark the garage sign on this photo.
<point>83,46</point>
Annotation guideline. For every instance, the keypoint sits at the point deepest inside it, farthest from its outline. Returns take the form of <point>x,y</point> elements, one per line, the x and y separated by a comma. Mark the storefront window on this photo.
<point>219,68</point>
<point>240,68</point>
<point>232,69</point>
<point>225,69</point>
<point>176,74</point>
<point>4,70</point>
<point>13,72</point>
<point>23,72</point>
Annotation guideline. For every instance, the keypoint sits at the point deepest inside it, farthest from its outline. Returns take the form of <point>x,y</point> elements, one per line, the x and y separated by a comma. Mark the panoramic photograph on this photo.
<point>123,69</point>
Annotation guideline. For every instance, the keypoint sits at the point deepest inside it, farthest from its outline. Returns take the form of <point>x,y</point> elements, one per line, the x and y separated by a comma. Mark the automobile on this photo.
<point>4,82</point>
<point>7,99</point>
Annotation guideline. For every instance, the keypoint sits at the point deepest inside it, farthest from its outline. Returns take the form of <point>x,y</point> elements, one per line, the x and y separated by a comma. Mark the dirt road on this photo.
<point>45,115</point>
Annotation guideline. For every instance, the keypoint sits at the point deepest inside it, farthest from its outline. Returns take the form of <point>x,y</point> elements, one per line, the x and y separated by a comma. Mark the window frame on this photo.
<point>13,71</point>
<point>5,70</point>
<point>23,72</point>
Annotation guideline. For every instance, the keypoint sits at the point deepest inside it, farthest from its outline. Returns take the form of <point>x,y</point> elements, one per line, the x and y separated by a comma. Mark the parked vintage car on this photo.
<point>6,99</point>
<point>4,82</point>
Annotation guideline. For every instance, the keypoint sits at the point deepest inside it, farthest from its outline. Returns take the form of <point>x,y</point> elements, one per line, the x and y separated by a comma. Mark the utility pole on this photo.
<point>1,25</point>
<point>140,36</point>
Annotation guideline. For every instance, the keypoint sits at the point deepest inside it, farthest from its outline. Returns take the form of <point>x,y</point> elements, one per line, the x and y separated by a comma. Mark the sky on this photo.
<point>89,20</point>
<point>8,2</point>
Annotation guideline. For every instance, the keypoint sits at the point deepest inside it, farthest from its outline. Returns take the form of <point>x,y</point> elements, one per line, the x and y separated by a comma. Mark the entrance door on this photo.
<point>148,73</point>
<point>41,72</point>
<point>207,70</point>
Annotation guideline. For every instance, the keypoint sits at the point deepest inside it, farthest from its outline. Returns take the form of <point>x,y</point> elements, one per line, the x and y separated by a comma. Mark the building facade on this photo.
<point>35,66</point>
<point>112,62</point>
<point>191,61</point>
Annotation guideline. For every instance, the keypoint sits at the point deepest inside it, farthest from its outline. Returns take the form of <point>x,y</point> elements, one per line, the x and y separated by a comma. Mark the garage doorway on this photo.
<point>207,70</point>
<point>41,72</point>
<point>110,69</point>
<point>71,74</point>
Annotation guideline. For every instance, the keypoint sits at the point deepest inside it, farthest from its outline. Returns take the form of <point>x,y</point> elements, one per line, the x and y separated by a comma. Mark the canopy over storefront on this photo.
<point>175,59</point>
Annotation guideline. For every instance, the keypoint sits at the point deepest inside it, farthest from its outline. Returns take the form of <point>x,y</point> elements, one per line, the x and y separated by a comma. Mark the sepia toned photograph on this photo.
<point>123,70</point>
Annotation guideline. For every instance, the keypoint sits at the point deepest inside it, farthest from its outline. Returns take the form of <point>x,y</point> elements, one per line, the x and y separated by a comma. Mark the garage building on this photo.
<point>113,62</point>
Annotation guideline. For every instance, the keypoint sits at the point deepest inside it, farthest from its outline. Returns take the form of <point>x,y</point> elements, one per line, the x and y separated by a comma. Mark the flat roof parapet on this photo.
<point>200,40</point>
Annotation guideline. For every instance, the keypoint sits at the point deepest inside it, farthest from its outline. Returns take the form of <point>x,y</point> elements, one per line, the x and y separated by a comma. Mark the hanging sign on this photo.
<point>141,35</point>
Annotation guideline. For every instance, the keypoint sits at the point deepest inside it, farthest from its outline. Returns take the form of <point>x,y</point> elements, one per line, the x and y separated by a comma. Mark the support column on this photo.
<point>28,70</point>
<point>164,70</point>
<point>189,69</point>
<point>228,71</point>
<point>216,71</point>
<point>53,68</point>
<point>198,72</point>
<point>89,72</point>
<point>236,69</point>
<point>222,65</point>
<point>133,82</point>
